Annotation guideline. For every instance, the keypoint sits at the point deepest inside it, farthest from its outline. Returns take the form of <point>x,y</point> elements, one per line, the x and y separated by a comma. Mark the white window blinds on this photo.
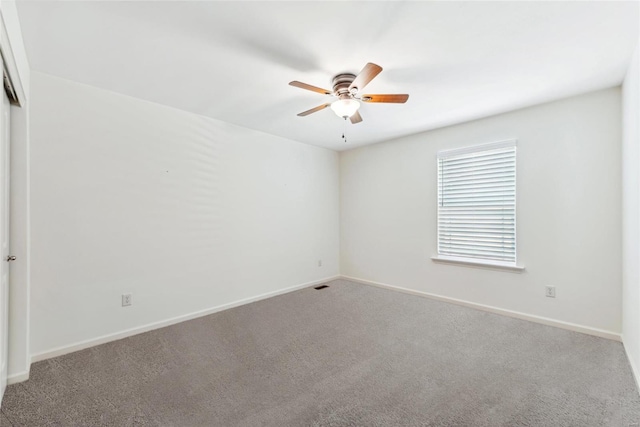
<point>477,202</point>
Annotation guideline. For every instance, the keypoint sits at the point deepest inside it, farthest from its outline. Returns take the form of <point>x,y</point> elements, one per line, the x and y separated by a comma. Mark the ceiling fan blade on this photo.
<point>313,110</point>
<point>366,75</point>
<point>355,118</point>
<point>390,98</point>
<point>309,87</point>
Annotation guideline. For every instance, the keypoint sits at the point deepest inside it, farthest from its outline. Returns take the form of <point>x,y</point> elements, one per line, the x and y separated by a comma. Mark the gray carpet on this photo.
<point>348,355</point>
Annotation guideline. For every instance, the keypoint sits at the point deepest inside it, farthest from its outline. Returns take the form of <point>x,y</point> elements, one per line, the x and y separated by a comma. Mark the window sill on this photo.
<point>470,262</point>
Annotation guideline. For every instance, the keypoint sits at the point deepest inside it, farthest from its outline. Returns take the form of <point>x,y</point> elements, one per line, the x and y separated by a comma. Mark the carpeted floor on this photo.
<point>347,355</point>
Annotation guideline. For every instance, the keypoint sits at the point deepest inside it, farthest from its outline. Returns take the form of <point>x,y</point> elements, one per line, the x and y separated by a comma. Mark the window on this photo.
<point>477,205</point>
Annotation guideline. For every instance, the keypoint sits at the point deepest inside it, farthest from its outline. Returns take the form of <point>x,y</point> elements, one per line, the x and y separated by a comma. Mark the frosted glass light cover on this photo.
<point>345,107</point>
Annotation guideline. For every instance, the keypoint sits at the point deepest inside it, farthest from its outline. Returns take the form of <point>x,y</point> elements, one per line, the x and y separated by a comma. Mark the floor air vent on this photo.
<point>321,287</point>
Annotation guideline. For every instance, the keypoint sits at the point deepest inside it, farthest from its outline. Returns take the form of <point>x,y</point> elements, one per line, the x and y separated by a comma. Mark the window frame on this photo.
<point>473,261</point>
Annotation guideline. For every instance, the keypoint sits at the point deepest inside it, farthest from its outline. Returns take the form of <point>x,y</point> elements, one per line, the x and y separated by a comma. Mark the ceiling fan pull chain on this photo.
<point>344,129</point>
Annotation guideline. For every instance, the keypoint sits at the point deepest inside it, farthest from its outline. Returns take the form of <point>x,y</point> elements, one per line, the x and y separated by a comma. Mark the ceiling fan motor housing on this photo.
<point>341,84</point>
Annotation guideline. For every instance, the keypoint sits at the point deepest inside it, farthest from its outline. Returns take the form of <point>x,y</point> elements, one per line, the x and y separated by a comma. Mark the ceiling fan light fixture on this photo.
<point>345,107</point>
<point>345,87</point>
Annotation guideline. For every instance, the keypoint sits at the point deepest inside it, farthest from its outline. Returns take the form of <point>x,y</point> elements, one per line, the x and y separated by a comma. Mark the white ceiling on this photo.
<point>233,60</point>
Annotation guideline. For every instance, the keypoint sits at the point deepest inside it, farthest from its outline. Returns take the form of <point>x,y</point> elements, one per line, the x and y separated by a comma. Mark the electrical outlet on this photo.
<point>319,263</point>
<point>126,300</point>
<point>550,291</point>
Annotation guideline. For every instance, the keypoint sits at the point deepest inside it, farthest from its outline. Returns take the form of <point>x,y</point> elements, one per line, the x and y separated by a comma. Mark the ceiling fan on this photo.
<point>346,88</point>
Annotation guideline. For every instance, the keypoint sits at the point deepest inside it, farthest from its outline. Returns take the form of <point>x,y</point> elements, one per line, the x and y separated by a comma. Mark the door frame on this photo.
<point>14,56</point>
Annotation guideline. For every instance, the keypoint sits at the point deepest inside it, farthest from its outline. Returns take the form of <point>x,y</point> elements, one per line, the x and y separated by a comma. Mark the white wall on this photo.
<point>184,212</point>
<point>568,212</point>
<point>15,56</point>
<point>631,213</point>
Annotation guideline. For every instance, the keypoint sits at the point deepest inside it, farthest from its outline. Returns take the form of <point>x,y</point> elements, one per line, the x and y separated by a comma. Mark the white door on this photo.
<point>5,256</point>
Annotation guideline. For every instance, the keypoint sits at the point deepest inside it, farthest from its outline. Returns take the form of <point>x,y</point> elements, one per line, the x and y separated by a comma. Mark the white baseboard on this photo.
<point>518,315</point>
<point>59,351</point>
<point>18,377</point>
<point>634,368</point>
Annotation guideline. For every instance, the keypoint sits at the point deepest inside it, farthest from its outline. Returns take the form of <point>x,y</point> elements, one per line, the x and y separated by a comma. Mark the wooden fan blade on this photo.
<point>313,110</point>
<point>355,118</point>
<point>366,75</point>
<point>309,87</point>
<point>391,98</point>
